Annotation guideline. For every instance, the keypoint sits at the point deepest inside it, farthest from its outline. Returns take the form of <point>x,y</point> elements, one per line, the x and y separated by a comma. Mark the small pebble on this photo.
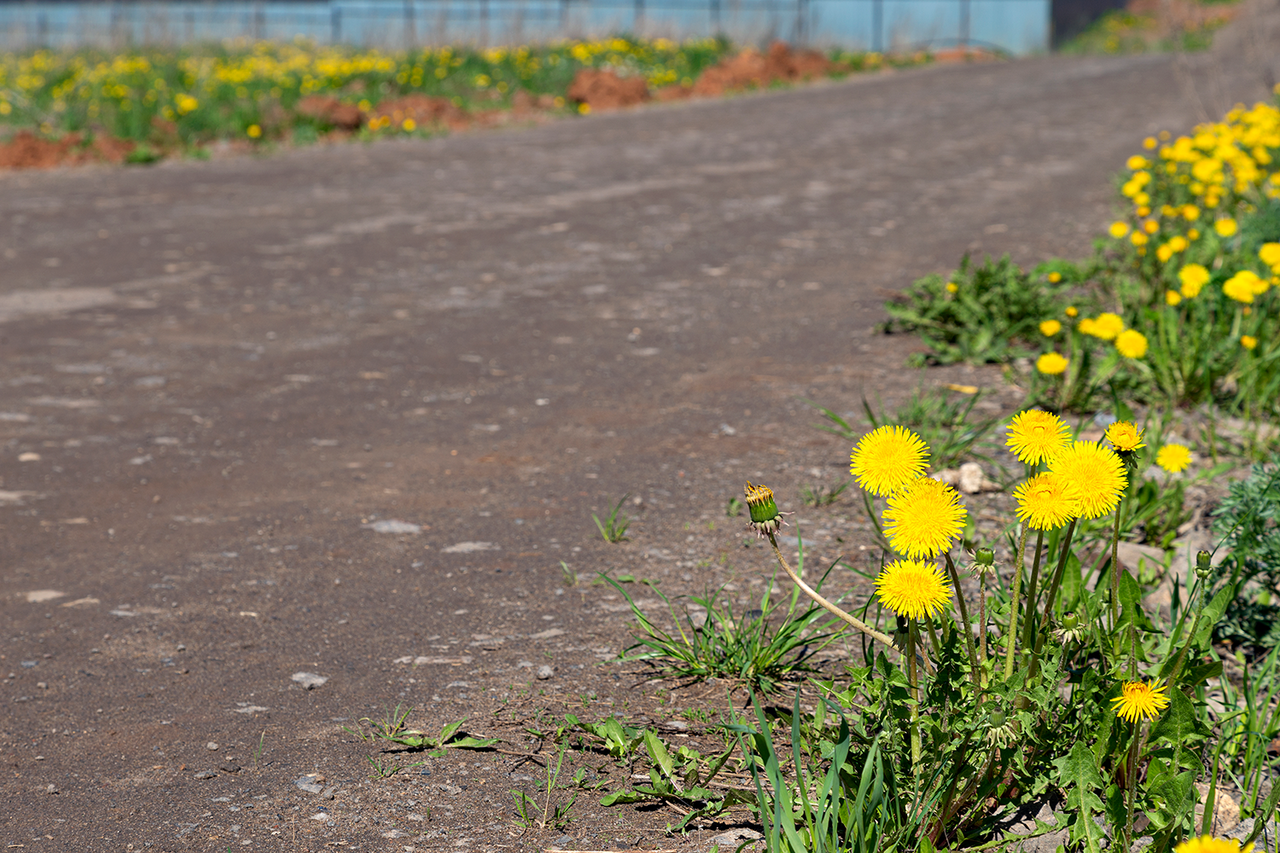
<point>309,680</point>
<point>206,774</point>
<point>228,767</point>
<point>51,789</point>
<point>212,746</point>
<point>546,671</point>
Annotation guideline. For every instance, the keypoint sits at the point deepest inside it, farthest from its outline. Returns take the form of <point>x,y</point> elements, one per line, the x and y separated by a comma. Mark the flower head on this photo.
<point>1269,254</point>
<point>1072,311</point>
<point>1034,435</point>
<point>1052,364</point>
<point>1173,458</point>
<point>1209,844</point>
<point>1097,474</point>
<point>765,517</point>
<point>1131,343</point>
<point>1118,229</point>
<point>1140,701</point>
<point>888,458</point>
<point>1243,286</point>
<point>1172,297</point>
<point>913,588</point>
<point>1248,342</point>
<point>922,518</point>
<point>1124,436</point>
<point>1193,277</point>
<point>1049,328</point>
<point>1106,326</point>
<point>1225,227</point>
<point>1047,502</point>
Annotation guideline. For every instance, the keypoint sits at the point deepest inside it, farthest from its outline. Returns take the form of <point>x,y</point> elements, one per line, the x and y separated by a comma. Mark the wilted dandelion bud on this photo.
<point>1202,564</point>
<point>765,517</point>
<point>996,719</point>
<point>1070,629</point>
<point>1001,731</point>
<point>984,562</point>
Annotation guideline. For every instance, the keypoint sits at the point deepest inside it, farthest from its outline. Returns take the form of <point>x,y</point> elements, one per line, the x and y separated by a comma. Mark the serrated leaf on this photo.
<point>1212,614</point>
<point>658,752</point>
<point>449,730</point>
<point>1178,727</point>
<point>1196,675</point>
<point>1079,775</point>
<point>623,798</point>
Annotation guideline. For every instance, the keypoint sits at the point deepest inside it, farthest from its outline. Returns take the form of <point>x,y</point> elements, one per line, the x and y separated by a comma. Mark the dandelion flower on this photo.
<point>1190,212</point>
<point>1046,502</point>
<point>1072,311</point>
<point>1107,326</point>
<point>1131,344</point>
<point>922,518</point>
<point>913,588</point>
<point>1097,473</point>
<point>1055,277</point>
<point>1124,436</point>
<point>1269,254</point>
<point>1240,286</point>
<point>1248,341</point>
<point>1225,227</point>
<point>1118,229</point>
<point>888,458</point>
<point>1140,701</point>
<point>1172,297</point>
<point>1173,458</point>
<point>1193,277</point>
<point>1049,328</point>
<point>1034,436</point>
<point>1051,364</point>
<point>952,287</point>
<point>1209,844</point>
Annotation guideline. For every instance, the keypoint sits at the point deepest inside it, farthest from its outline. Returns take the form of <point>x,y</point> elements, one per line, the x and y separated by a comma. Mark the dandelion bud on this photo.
<point>765,517</point>
<point>1202,564</point>
<point>996,719</point>
<point>1070,621</point>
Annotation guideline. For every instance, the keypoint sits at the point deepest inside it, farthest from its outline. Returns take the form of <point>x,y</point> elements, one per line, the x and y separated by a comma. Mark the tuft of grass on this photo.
<point>759,648</point>
<point>614,527</point>
<point>817,496</point>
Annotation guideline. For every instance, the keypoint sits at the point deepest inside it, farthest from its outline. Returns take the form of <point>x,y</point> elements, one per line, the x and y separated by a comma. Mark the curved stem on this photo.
<point>913,675</point>
<point>964,612</point>
<point>1028,624</point>
<point>827,605</point>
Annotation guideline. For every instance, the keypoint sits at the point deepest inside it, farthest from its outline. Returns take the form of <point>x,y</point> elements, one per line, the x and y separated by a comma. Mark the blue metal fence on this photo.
<point>1015,26</point>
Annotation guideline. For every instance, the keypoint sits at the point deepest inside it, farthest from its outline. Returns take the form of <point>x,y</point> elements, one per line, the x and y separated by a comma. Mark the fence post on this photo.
<point>564,16</point>
<point>715,17</point>
<point>637,23</point>
<point>964,23</point>
<point>410,26</point>
<point>259,21</point>
<point>484,23</point>
<point>335,25</point>
<point>877,26</point>
<point>42,30</point>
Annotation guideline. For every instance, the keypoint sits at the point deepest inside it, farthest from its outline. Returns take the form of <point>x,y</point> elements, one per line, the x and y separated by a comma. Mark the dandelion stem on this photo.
<point>982,627</point>
<point>1115,566</point>
<point>1028,624</point>
<point>1011,636</point>
<point>833,609</point>
<point>914,677</point>
<point>1063,556</point>
<point>964,611</point>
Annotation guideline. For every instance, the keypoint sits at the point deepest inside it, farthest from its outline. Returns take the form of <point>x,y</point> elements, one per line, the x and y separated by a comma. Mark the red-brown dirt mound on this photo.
<point>28,151</point>
<point>423,111</point>
<point>328,110</point>
<point>752,69</point>
<point>605,90</point>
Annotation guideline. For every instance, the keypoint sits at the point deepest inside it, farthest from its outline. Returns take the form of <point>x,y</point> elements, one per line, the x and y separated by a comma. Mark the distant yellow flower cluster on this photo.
<point>250,89</point>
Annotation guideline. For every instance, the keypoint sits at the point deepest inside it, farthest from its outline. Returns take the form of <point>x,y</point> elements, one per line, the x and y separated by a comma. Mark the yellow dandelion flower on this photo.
<point>1125,436</point>
<point>1249,342</point>
<point>1209,844</point>
<point>1072,311</point>
<point>1131,344</point>
<point>1034,436</point>
<point>1096,471</point>
<point>1140,701</point>
<point>1190,212</point>
<point>913,588</point>
<point>1107,326</point>
<point>1055,277</point>
<point>1173,458</point>
<point>1269,254</point>
<point>1193,277</point>
<point>1051,364</point>
<point>1172,297</point>
<point>952,287</point>
<point>1226,227</point>
<point>1049,328</point>
<point>1119,229</point>
<point>1046,502</point>
<point>1240,286</point>
<point>923,517</point>
<point>888,458</point>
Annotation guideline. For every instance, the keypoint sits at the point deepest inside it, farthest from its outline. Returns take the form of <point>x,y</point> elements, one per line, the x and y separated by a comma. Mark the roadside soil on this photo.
<point>232,388</point>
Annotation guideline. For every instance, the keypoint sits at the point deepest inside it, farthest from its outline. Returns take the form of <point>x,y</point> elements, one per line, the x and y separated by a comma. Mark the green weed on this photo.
<point>614,527</point>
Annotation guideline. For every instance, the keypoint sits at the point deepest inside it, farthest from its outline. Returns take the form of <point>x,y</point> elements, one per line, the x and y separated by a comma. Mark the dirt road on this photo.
<point>232,389</point>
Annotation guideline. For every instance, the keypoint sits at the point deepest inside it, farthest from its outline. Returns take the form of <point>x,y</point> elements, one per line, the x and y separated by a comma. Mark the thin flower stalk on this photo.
<point>913,677</point>
<point>1012,634</point>
<point>1028,624</point>
<point>824,603</point>
<point>1054,584</point>
<point>964,611</point>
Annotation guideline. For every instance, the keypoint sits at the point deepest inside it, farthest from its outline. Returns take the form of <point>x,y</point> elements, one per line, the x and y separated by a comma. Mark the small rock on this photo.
<point>1226,811</point>
<point>310,783</point>
<point>394,833</point>
<point>228,767</point>
<point>328,793</point>
<point>391,525</point>
<point>51,789</point>
<point>735,837</point>
<point>546,671</point>
<point>563,840</point>
<point>309,680</point>
<point>212,746</point>
<point>206,774</point>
